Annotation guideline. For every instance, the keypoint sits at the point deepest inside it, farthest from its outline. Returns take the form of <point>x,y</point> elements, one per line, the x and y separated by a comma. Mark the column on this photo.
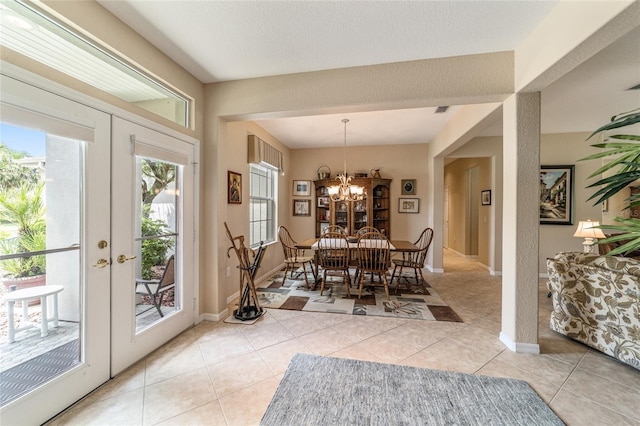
<point>521,173</point>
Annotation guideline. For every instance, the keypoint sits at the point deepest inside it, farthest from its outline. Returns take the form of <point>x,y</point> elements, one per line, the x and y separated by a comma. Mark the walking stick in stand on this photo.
<point>249,307</point>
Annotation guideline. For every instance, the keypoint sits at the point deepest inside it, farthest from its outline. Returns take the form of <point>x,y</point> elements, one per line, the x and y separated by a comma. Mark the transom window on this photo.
<point>262,204</point>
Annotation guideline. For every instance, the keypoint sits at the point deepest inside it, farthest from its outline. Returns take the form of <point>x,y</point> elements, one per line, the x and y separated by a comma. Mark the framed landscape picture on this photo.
<point>556,195</point>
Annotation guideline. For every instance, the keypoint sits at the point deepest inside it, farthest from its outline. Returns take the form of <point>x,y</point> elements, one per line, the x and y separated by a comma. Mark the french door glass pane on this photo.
<point>40,235</point>
<point>157,288</point>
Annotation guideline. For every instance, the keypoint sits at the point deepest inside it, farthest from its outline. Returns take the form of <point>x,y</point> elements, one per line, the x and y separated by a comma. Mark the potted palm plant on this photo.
<point>23,209</point>
<point>622,155</point>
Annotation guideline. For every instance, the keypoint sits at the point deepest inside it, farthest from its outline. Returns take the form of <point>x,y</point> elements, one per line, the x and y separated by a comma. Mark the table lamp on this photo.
<point>589,231</point>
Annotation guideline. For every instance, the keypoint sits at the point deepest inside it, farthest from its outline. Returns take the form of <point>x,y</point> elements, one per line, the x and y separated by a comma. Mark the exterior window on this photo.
<point>262,205</point>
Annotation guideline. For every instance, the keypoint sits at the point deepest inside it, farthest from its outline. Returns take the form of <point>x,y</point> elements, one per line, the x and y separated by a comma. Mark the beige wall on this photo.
<point>555,149</point>
<point>395,162</point>
<point>460,227</point>
<point>562,149</point>
<point>235,155</point>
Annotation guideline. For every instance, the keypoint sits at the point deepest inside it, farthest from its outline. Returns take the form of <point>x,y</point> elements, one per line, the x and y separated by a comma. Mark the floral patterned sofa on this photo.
<point>596,301</point>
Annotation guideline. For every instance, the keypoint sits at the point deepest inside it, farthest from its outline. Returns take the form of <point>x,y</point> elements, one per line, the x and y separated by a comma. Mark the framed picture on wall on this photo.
<point>485,197</point>
<point>234,188</point>
<point>302,207</point>
<point>556,195</point>
<point>408,187</point>
<point>301,188</point>
<point>408,205</point>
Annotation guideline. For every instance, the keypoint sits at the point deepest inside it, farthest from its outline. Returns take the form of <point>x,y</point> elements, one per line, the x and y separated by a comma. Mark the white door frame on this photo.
<point>30,78</point>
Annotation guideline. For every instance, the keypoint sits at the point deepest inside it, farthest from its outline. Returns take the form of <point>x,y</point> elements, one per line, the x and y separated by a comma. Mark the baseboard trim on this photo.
<point>216,317</point>
<point>525,348</point>
<point>435,270</point>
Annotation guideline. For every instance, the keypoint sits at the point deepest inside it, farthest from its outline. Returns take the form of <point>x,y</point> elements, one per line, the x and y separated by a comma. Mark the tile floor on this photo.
<point>226,374</point>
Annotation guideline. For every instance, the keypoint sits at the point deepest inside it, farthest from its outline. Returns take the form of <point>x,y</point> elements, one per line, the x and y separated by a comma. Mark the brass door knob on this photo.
<point>101,263</point>
<point>122,258</point>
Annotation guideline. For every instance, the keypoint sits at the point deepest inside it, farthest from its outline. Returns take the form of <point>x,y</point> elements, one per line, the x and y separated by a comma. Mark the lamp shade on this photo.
<point>587,229</point>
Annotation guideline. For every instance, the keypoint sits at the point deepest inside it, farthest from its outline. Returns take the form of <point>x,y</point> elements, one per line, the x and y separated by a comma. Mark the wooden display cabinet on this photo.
<point>373,210</point>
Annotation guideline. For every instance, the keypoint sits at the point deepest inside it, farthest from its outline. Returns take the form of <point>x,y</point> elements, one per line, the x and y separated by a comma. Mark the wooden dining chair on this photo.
<point>414,259</point>
<point>374,255</point>
<point>354,253</point>
<point>293,256</point>
<point>335,228</point>
<point>366,229</point>
<point>333,255</point>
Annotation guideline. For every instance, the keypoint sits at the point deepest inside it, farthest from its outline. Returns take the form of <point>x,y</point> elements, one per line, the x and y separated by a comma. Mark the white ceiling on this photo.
<point>231,40</point>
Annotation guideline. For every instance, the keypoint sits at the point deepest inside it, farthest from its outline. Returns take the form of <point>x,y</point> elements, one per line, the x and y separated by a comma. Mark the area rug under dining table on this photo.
<point>319,390</point>
<point>411,301</point>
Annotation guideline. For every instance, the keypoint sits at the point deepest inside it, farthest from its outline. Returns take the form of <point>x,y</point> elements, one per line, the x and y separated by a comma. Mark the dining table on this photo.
<point>396,246</point>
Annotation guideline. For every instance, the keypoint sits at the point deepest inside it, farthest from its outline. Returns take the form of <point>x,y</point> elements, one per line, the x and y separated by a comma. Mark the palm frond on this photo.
<point>620,120</point>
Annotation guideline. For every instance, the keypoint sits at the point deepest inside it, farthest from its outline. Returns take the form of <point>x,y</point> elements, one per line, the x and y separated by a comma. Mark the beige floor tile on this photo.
<point>177,395</point>
<point>277,357</point>
<point>224,347</point>
<point>267,335</point>
<point>208,414</point>
<point>577,411</point>
<point>166,364</point>
<point>620,398</point>
<point>397,344</point>
<point>247,406</point>
<point>124,409</point>
<point>479,339</point>
<point>130,379</point>
<point>325,341</point>
<point>237,373</point>
<point>451,355</point>
<point>306,323</point>
<point>549,367</point>
<point>609,368</point>
<point>356,351</point>
<point>543,388</point>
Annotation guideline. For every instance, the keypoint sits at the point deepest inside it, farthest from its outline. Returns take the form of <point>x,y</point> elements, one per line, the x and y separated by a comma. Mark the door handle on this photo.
<point>122,258</point>
<point>101,263</point>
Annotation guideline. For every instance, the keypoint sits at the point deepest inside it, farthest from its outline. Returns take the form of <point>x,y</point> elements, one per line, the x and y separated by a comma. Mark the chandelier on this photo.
<point>344,191</point>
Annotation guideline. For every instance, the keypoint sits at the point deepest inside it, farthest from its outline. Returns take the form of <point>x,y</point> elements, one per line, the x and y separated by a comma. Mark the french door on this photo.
<point>153,240</point>
<point>62,183</point>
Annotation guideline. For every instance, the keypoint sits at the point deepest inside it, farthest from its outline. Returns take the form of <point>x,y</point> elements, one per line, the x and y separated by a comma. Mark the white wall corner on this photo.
<point>495,273</point>
<point>524,348</point>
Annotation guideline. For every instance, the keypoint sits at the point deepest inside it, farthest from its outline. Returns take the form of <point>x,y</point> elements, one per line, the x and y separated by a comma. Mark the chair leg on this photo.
<point>386,286</point>
<point>422,276</point>
<point>306,280</point>
<point>324,280</point>
<point>360,285</point>
<point>393,275</point>
<point>415,271</point>
<point>347,281</point>
<point>284,277</point>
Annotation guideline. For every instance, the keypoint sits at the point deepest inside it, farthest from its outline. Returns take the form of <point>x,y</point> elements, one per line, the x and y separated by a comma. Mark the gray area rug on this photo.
<point>317,390</point>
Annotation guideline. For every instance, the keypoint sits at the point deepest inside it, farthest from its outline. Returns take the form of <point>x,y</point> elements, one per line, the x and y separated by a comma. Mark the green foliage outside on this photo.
<point>623,154</point>
<point>14,174</point>
<point>154,250</point>
<point>23,206</point>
